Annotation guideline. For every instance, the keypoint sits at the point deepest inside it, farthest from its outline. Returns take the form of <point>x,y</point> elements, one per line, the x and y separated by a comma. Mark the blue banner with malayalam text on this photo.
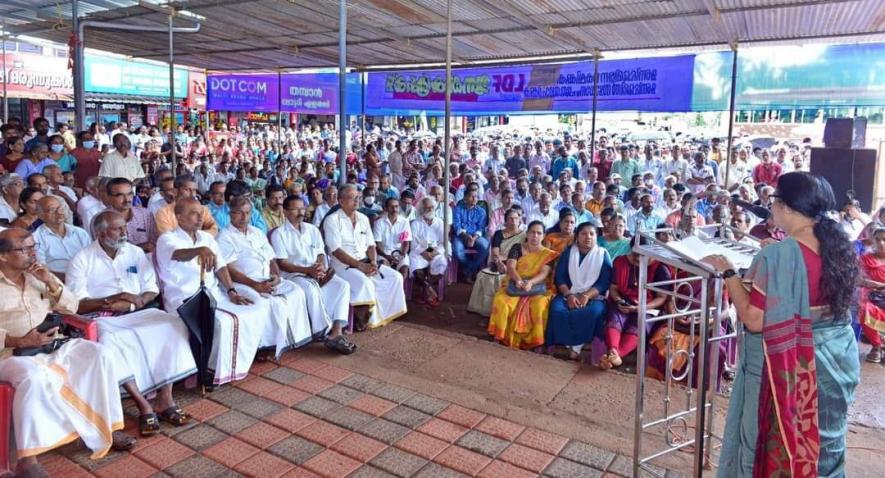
<point>641,84</point>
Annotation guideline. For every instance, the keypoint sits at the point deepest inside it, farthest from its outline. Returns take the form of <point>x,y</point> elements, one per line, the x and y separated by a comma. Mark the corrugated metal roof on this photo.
<point>243,34</point>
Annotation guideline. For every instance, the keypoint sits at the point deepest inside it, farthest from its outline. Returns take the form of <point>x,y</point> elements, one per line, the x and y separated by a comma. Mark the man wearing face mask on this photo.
<point>115,279</point>
<point>88,159</point>
<point>121,162</point>
<point>369,205</point>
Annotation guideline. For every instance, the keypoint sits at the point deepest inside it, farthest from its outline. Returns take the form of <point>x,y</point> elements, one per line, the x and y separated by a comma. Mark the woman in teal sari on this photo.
<point>799,363</point>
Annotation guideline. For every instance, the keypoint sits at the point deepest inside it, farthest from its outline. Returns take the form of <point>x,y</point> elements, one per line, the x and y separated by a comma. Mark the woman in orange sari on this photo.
<point>872,279</point>
<point>563,235</point>
<point>521,305</point>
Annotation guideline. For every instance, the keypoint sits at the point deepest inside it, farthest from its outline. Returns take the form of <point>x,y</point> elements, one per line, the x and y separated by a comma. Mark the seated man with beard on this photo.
<point>186,253</point>
<point>376,293</point>
<point>300,255</point>
<point>115,280</point>
<point>59,396</point>
<point>249,259</point>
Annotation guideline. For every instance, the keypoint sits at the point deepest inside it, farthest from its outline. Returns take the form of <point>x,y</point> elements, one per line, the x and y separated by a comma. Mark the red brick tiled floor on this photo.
<point>321,423</point>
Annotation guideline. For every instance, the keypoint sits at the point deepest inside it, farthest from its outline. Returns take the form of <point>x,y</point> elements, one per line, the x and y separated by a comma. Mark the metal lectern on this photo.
<point>706,315</point>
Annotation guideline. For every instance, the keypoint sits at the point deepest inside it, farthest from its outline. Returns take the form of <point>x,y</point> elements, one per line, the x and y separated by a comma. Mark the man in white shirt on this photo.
<point>699,174</point>
<point>11,185</point>
<point>330,199</point>
<point>427,258</point>
<point>736,168</point>
<point>114,279</point>
<point>375,292</point>
<point>165,194</point>
<point>184,256</point>
<point>300,255</point>
<point>43,418</point>
<point>90,204</point>
<point>393,237</point>
<point>676,165</point>
<point>57,242</point>
<point>121,162</point>
<point>543,212</point>
<point>249,259</point>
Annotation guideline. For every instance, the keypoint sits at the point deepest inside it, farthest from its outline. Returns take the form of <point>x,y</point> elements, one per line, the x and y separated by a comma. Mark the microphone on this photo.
<point>758,211</point>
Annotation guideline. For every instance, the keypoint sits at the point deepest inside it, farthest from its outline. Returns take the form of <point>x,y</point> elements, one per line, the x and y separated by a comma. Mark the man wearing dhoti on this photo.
<point>184,255</point>
<point>427,257</point>
<point>250,262</point>
<point>114,280</point>
<point>393,237</point>
<point>60,396</point>
<point>376,293</point>
<point>300,255</point>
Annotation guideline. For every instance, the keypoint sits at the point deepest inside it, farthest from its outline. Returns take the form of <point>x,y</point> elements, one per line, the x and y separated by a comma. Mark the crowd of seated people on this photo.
<point>104,224</point>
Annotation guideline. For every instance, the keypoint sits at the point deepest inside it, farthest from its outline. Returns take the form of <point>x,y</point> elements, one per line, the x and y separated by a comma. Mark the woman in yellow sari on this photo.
<point>520,307</point>
<point>563,235</point>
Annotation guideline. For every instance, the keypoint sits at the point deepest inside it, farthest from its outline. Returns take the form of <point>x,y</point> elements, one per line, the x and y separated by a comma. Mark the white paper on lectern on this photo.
<point>696,249</point>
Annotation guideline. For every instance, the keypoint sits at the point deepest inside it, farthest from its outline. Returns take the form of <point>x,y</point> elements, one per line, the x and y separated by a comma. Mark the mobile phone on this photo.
<point>52,320</point>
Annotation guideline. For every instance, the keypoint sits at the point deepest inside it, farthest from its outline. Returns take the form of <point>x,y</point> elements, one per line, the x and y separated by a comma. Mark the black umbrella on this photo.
<point>198,313</point>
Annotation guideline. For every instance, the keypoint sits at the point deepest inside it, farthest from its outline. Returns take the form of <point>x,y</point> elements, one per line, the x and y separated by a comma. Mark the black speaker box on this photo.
<point>845,133</point>
<point>849,171</point>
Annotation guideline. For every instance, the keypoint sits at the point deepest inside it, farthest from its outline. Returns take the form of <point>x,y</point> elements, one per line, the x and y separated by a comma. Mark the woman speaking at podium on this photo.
<point>799,360</point>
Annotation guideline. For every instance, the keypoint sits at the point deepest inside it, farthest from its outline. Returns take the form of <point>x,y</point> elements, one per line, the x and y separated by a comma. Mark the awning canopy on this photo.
<point>268,34</point>
<point>129,99</point>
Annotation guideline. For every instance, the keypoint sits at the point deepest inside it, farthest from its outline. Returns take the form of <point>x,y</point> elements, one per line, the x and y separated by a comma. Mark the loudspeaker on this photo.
<point>845,133</point>
<point>848,171</point>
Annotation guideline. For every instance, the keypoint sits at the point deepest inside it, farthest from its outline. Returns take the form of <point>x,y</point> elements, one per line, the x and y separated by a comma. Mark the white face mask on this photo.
<point>369,200</point>
<point>429,215</point>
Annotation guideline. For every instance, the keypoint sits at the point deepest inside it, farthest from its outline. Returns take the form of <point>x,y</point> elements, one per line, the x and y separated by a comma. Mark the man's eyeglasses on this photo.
<point>25,249</point>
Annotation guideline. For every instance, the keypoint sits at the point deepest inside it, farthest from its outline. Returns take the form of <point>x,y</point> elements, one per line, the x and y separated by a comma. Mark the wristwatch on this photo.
<point>231,290</point>
<point>728,273</point>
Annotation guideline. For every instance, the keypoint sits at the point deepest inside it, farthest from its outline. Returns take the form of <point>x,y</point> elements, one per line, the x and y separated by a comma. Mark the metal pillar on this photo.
<point>363,113</point>
<point>448,123</point>
<point>208,123</point>
<point>5,75</point>
<point>342,90</point>
<point>280,110</point>
<point>172,94</point>
<point>734,63</point>
<point>78,73</point>
<point>595,91</point>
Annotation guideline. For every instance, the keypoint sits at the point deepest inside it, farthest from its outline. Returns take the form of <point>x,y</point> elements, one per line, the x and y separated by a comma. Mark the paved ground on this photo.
<point>427,396</point>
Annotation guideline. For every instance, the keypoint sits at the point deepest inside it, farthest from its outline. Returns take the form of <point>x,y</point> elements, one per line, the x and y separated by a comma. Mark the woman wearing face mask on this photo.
<point>87,157</point>
<point>58,154</point>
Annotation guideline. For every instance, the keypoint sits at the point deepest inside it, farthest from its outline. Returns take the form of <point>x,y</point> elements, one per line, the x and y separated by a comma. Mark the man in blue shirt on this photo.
<point>221,211</point>
<point>646,219</point>
<point>562,161</point>
<point>470,224</point>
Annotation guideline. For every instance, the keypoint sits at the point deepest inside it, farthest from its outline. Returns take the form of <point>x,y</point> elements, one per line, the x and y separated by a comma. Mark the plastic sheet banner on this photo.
<point>643,84</point>
<point>792,76</point>
<point>315,93</point>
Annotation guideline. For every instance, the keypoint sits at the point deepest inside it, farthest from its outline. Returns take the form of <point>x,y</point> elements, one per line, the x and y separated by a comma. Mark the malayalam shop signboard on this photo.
<point>113,75</point>
<point>37,75</point>
<point>301,93</point>
<point>643,84</point>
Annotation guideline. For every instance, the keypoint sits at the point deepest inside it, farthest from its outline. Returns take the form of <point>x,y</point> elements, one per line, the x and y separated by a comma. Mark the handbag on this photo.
<point>40,349</point>
<point>537,289</point>
<point>877,297</point>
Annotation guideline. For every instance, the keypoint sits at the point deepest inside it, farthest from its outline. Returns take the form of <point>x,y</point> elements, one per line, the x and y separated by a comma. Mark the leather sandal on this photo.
<point>174,415</point>
<point>148,424</point>
<point>122,442</point>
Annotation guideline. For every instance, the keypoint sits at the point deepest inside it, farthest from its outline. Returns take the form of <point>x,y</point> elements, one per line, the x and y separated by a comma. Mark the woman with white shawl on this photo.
<point>583,275</point>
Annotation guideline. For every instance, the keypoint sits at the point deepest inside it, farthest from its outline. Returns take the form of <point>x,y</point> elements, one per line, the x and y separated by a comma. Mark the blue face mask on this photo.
<point>57,148</point>
<point>88,144</point>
